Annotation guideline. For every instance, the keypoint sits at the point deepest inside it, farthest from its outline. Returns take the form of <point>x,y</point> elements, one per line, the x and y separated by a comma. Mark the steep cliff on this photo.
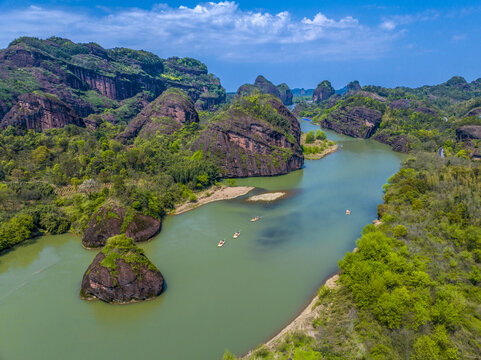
<point>121,273</point>
<point>192,76</point>
<point>167,114</point>
<point>256,136</point>
<point>111,220</point>
<point>39,111</point>
<point>323,91</point>
<point>355,121</point>
<point>286,94</point>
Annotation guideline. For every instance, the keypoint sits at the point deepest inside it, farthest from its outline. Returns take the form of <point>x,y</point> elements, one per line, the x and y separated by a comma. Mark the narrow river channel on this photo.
<point>231,298</point>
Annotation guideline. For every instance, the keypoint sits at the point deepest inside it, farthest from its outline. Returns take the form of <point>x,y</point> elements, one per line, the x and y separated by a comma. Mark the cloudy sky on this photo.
<point>409,43</point>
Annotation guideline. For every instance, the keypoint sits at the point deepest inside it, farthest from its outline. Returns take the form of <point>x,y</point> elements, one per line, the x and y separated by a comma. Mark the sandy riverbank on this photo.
<point>218,193</point>
<point>267,196</point>
<point>303,322</point>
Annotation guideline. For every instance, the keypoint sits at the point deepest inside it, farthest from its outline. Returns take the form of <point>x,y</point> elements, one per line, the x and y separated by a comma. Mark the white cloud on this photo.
<point>395,21</point>
<point>209,29</point>
<point>388,25</point>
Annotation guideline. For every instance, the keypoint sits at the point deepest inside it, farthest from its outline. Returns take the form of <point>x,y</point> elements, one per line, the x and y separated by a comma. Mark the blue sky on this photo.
<point>408,43</point>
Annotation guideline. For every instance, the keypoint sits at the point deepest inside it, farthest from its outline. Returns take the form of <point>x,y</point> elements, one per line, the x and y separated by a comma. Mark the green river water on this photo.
<point>231,298</point>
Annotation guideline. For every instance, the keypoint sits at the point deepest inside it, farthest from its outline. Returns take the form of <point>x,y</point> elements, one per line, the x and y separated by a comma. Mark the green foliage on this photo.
<point>121,247</point>
<point>400,231</point>
<point>259,106</point>
<point>15,230</point>
<point>320,135</point>
<point>310,137</point>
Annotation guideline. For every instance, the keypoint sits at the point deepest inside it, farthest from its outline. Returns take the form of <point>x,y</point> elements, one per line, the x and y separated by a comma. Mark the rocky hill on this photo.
<point>121,273</point>
<point>323,91</point>
<point>264,86</point>
<point>256,136</point>
<point>84,79</point>
<point>112,219</point>
<point>168,113</point>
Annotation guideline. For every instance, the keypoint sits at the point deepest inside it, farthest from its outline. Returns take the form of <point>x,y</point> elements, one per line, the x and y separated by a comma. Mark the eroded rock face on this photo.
<point>355,121</point>
<point>167,114</point>
<point>121,273</point>
<point>468,132</point>
<point>398,143</point>
<point>243,145</point>
<point>109,221</point>
<point>286,94</point>
<point>40,112</point>
<point>323,92</point>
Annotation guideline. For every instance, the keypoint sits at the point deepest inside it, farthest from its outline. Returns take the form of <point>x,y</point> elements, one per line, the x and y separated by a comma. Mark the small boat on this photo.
<point>348,212</point>
<point>221,243</point>
<point>254,219</point>
<point>236,235</point>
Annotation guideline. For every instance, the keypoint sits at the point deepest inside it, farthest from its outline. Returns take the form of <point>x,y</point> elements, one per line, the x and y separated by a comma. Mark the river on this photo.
<point>231,298</point>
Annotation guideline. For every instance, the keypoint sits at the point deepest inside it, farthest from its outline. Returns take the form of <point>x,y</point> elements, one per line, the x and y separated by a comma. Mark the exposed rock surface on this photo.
<point>110,220</point>
<point>88,78</point>
<point>323,92</point>
<point>192,76</point>
<point>286,94</point>
<point>244,144</point>
<point>355,121</point>
<point>264,86</point>
<point>121,273</point>
<point>468,132</point>
<point>398,143</point>
<point>167,114</point>
<point>40,112</point>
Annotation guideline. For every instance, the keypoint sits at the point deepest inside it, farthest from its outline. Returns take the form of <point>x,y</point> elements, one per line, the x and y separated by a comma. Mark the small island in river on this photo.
<point>121,273</point>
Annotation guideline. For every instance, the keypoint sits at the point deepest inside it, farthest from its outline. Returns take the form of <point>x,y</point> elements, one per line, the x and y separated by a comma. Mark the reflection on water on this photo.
<point>233,297</point>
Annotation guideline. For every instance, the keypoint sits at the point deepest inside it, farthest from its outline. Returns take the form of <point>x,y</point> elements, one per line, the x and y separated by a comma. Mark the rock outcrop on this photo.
<point>111,220</point>
<point>398,143</point>
<point>40,111</point>
<point>355,121</point>
<point>89,79</point>
<point>192,76</point>
<point>121,273</point>
<point>353,87</point>
<point>468,132</point>
<point>323,92</point>
<point>264,86</point>
<point>245,143</point>
<point>167,114</point>
<point>286,94</point>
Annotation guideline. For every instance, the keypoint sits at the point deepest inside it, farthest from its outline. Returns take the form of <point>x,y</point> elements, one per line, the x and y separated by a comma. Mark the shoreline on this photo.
<point>328,151</point>
<point>218,193</point>
<point>303,319</point>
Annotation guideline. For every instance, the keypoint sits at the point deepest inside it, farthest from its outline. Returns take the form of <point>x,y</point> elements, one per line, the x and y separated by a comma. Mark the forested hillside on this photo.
<point>412,288</point>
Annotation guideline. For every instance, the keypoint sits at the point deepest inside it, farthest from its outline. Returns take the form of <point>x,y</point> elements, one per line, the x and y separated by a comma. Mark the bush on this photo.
<point>310,137</point>
<point>400,231</point>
